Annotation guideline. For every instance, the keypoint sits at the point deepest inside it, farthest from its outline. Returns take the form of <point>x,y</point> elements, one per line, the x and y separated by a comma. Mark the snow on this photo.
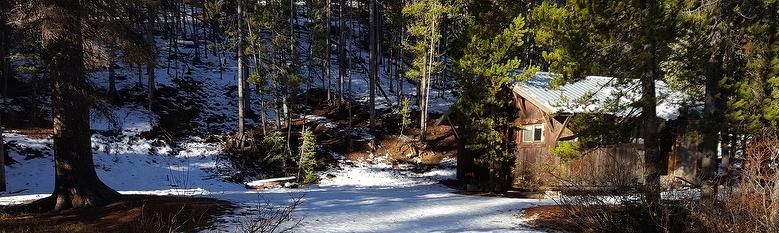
<point>364,197</point>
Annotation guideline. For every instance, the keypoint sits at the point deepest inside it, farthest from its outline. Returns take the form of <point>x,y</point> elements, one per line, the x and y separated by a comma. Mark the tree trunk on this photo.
<point>373,64</point>
<point>327,54</point>
<point>263,116</point>
<point>399,67</point>
<point>425,85</point>
<point>241,71</point>
<point>4,75</point>
<point>76,183</point>
<point>140,75</point>
<point>712,125</point>
<point>151,65</point>
<point>195,32</point>
<point>652,157</point>
<point>341,51</point>
<point>111,72</point>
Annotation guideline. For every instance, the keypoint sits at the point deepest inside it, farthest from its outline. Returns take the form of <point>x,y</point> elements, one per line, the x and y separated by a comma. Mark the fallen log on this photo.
<point>267,183</point>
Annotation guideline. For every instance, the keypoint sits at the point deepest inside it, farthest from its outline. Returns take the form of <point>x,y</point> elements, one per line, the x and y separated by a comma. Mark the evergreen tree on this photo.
<point>307,161</point>
<point>61,26</point>
<point>242,74</point>
<point>488,67</point>
<point>424,17</point>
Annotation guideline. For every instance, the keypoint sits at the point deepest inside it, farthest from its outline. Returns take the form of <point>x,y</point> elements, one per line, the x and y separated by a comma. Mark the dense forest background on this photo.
<point>66,61</point>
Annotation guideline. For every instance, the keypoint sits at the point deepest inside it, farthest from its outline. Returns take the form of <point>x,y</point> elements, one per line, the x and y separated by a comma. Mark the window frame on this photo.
<point>531,128</point>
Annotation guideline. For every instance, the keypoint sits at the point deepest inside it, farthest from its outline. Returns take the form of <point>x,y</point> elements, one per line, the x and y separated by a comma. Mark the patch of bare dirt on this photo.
<point>131,213</point>
<point>33,132</point>
<point>441,143</point>
<point>552,217</point>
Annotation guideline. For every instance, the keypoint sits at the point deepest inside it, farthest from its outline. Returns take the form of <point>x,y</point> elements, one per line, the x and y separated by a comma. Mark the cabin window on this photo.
<point>533,133</point>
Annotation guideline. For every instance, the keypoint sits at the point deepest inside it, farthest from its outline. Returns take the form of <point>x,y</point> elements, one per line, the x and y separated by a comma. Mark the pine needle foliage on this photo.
<point>307,162</point>
<point>275,149</point>
<point>488,68</point>
<point>405,115</point>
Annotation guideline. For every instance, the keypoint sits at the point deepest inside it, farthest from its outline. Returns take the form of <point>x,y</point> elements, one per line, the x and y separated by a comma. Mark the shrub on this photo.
<point>753,205</point>
<point>275,149</point>
<point>405,115</point>
<point>307,161</point>
<point>566,150</point>
<point>270,218</point>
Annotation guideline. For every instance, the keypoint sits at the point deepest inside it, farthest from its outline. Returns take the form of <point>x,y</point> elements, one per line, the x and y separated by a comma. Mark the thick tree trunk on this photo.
<point>652,156</point>
<point>4,75</point>
<point>653,159</point>
<point>712,125</point>
<point>76,183</point>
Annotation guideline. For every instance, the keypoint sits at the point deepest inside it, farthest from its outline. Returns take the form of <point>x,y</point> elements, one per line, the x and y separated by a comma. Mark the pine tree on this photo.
<point>373,62</point>
<point>705,60</point>
<point>76,182</point>
<point>405,115</point>
<point>424,17</point>
<point>341,51</point>
<point>488,67</point>
<point>307,150</point>
<point>242,68</point>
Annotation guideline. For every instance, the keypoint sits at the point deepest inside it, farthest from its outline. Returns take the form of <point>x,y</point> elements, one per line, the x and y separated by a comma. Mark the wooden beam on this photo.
<point>565,125</point>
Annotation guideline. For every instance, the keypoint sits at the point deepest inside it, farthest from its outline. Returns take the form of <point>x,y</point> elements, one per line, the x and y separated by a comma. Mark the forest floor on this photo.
<point>552,217</point>
<point>131,213</point>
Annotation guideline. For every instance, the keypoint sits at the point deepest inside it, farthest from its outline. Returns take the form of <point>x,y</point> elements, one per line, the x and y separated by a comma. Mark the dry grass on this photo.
<point>132,213</point>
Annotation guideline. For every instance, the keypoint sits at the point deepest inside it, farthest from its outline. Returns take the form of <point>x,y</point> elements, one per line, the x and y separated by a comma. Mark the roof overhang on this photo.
<point>543,106</point>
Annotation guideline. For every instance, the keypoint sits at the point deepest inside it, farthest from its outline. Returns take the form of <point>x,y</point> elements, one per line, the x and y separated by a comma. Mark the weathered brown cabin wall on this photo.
<point>684,156</point>
<point>530,156</point>
<point>527,114</point>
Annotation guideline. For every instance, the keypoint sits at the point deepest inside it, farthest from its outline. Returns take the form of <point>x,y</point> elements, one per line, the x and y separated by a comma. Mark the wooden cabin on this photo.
<point>543,114</point>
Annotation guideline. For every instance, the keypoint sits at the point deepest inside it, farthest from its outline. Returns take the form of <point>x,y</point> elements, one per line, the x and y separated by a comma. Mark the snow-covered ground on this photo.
<point>361,197</point>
